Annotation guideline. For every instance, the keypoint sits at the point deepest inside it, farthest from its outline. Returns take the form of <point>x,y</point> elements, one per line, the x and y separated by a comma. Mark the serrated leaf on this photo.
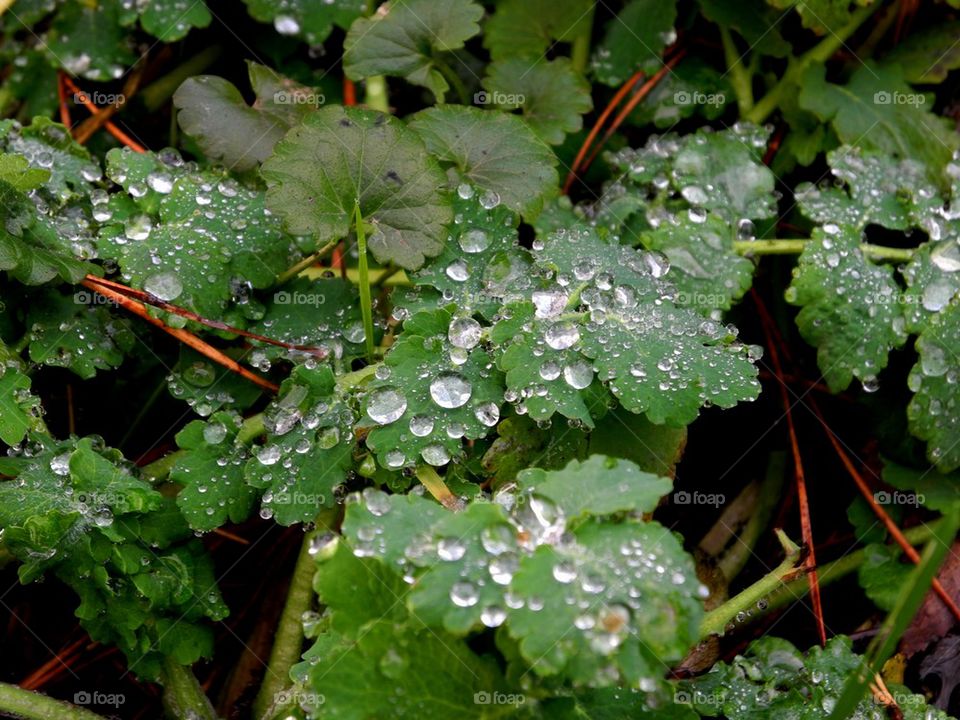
<point>526,28</point>
<point>754,20</point>
<point>403,37</point>
<point>634,40</point>
<point>878,111</point>
<point>481,264</point>
<point>367,157</point>
<point>822,16</point>
<point>521,443</point>
<point>932,412</point>
<point>605,316</point>
<point>496,152</point>
<point>928,55</point>
<point>207,387</point>
<point>849,307</point>
<point>597,486</point>
<point>932,281</point>
<point>931,489</point>
<point>171,20</point>
<point>441,387</point>
<point>551,95</point>
<point>67,332</point>
<point>89,40</point>
<point>18,407</point>
<point>311,20</point>
<point>693,87</point>
<point>882,575</point>
<point>654,448</point>
<point>16,172</point>
<point>213,112</point>
<point>211,473</point>
<point>308,449</point>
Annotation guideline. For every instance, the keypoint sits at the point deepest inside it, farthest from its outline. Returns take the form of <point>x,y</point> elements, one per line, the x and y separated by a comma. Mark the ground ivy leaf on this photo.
<point>584,616</point>
<point>496,152</point>
<point>440,386</point>
<point>708,273</point>
<point>365,156</point>
<point>635,40</point>
<point>211,473</point>
<point>311,20</point>
<point>482,262</point>
<point>526,28</point>
<point>932,412</point>
<point>875,189</point>
<point>849,307</point>
<point>597,486</point>
<point>864,113</point>
<point>821,16</point>
<point>171,20</point>
<point>213,112</point>
<point>551,95</point>
<point>67,332</point>
<point>308,450</point>
<point>403,37</point>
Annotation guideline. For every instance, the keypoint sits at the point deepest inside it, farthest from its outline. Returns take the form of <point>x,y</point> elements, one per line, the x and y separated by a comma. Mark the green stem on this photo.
<point>366,300</point>
<point>376,96</point>
<point>159,91</point>
<point>250,429</point>
<point>17,702</point>
<point>740,77</point>
<point>819,53</point>
<point>455,82</point>
<point>795,246</point>
<point>288,639</point>
<point>294,270</point>
<point>182,695</point>
<point>715,621</point>
<point>580,52</point>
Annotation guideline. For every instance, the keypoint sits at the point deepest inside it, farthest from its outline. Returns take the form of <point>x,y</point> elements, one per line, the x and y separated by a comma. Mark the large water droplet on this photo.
<point>450,390</point>
<point>386,405</point>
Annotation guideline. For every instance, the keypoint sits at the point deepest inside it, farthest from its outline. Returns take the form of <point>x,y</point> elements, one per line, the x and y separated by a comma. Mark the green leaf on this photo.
<point>481,264</point>
<point>308,450</point>
<point>882,575</point>
<point>655,448</point>
<point>822,16</point>
<point>754,20</point>
<point>526,28</point>
<point>16,172</point>
<point>19,409</point>
<point>213,112</point>
<point>932,410</point>
<point>551,95</point>
<point>928,55</point>
<point>365,156</point>
<point>612,704</point>
<point>404,37</point>
<point>849,307</point>
<point>67,332</point>
<point>693,87</point>
<point>438,386</point>
<point>495,152</point>
<point>211,473</point>
<point>605,315</point>
<point>88,39</point>
<point>932,281</point>
<point>311,20</point>
<point>521,443</point>
<point>932,489</point>
<point>635,40</point>
<point>171,20</point>
<point>597,486</point>
<point>878,111</point>
<point>207,386</point>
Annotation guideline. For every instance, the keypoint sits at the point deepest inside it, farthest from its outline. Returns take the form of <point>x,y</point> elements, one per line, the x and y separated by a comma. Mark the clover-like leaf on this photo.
<point>495,152</point>
<point>338,157</point>
<point>551,95</point>
<point>171,20</point>
<point>850,310</point>
<point>635,40</point>
<point>932,411</point>
<point>311,20</point>
<point>403,37</point>
<point>526,28</point>
<point>438,386</point>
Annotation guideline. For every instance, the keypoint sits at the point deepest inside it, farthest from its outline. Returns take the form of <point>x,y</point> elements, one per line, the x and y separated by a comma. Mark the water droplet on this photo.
<point>493,616</point>
<point>578,375</point>
<point>562,335</point>
<point>421,425</point>
<point>435,455</point>
<point>450,390</point>
<point>487,413</point>
<point>164,286</point>
<point>386,405</point>
<point>464,594</point>
<point>464,333</point>
<point>474,241</point>
<point>286,25</point>
<point>490,199</point>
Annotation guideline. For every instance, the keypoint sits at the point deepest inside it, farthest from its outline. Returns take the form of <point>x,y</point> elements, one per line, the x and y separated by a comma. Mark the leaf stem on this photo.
<point>366,301</point>
<point>580,52</point>
<point>182,695</point>
<point>794,246</point>
<point>438,488</point>
<point>376,96</point>
<point>819,53</point>
<point>717,619</point>
<point>740,76</point>
<point>288,639</point>
<point>297,268</point>
<point>455,82</point>
<point>15,701</point>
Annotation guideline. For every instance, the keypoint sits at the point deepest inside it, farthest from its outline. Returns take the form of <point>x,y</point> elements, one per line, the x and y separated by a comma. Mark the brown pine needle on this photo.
<point>62,97</point>
<point>109,126</point>
<point>187,338</point>
<point>156,302</point>
<point>50,669</point>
